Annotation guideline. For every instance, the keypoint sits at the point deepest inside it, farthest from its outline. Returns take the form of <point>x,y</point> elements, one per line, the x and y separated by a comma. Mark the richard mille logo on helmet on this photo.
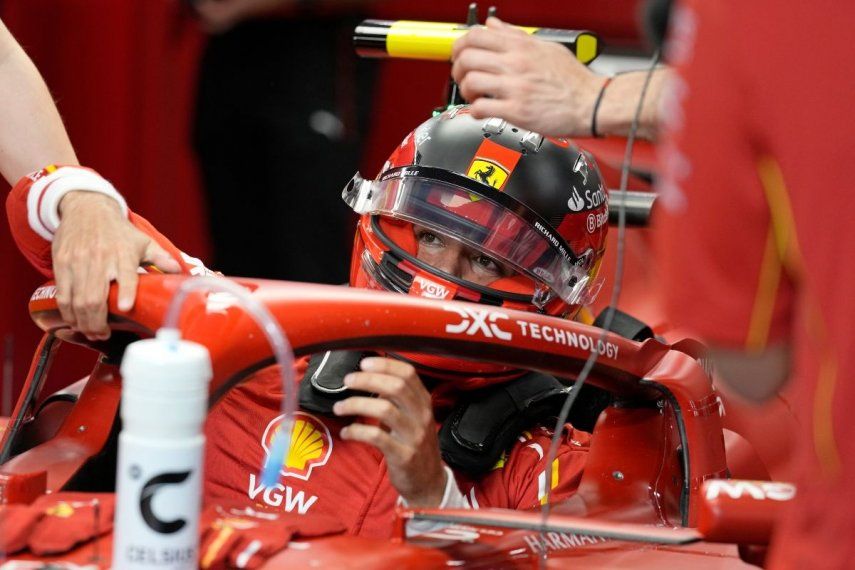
<point>310,446</point>
<point>488,172</point>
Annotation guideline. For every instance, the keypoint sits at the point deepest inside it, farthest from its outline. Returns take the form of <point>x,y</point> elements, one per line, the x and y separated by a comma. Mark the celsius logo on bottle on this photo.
<point>147,493</point>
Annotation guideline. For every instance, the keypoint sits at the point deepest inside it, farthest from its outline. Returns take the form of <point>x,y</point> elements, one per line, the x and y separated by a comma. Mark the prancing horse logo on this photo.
<point>488,172</point>
<point>485,173</point>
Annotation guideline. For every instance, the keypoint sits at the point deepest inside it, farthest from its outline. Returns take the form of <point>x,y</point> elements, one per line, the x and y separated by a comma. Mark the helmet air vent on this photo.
<point>494,126</point>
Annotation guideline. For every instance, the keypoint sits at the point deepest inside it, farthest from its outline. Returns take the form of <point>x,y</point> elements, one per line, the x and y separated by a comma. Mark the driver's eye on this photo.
<point>429,238</point>
<point>487,263</point>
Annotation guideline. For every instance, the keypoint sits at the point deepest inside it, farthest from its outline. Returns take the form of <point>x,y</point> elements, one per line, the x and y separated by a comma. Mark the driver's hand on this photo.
<point>537,85</point>
<point>407,436</point>
<point>93,246</point>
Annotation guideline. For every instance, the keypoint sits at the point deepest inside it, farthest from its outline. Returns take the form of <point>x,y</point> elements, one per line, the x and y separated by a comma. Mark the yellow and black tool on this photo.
<point>410,39</point>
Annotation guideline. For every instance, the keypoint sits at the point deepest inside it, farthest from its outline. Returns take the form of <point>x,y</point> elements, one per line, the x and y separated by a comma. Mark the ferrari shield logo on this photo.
<point>310,446</point>
<point>488,172</point>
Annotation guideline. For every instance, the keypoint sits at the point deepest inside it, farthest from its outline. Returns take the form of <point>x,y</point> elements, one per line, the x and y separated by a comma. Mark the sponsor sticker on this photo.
<point>424,287</point>
<point>280,496</point>
<point>556,335</point>
<point>497,324</point>
<point>559,541</point>
<point>478,321</point>
<point>757,490</point>
<point>575,203</point>
<point>310,446</point>
<point>44,292</point>
<point>596,220</point>
<point>588,198</point>
<point>488,172</point>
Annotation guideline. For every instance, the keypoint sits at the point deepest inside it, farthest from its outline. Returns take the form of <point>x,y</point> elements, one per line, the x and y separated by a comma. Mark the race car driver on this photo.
<point>467,209</point>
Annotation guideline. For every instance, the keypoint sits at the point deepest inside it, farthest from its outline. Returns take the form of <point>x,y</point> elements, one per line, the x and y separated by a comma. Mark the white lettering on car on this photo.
<point>757,490</point>
<point>44,292</point>
<point>478,321</point>
<point>281,496</point>
<point>559,541</point>
<point>560,336</point>
<point>486,322</point>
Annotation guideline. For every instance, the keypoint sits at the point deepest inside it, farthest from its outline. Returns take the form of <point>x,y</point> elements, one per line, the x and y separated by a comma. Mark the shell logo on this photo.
<point>61,510</point>
<point>310,447</point>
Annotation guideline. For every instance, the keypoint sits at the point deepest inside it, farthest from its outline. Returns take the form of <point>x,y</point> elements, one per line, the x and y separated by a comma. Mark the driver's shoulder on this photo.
<point>533,444</point>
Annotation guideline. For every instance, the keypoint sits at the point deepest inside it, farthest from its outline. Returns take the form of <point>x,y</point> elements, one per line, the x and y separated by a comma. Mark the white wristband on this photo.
<point>47,192</point>
<point>452,498</point>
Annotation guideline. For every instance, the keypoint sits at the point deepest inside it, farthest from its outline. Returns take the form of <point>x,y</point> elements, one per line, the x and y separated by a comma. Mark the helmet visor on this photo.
<point>454,206</point>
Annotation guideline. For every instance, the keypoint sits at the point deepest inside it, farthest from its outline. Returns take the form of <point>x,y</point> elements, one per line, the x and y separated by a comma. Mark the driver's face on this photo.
<point>453,257</point>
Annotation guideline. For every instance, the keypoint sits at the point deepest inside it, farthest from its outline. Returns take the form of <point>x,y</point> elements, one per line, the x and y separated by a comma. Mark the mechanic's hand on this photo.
<point>93,246</point>
<point>221,15</point>
<point>409,442</point>
<point>541,86</point>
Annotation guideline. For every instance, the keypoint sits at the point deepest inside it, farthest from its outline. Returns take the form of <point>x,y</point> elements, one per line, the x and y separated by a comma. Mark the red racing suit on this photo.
<point>323,473</point>
<point>753,233</point>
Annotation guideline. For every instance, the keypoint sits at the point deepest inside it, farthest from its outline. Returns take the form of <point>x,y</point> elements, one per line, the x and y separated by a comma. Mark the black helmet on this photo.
<point>535,203</point>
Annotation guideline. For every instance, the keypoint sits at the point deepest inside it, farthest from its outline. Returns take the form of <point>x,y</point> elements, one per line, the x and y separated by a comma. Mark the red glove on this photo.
<point>55,523</point>
<point>68,519</point>
<point>240,537</point>
<point>16,523</point>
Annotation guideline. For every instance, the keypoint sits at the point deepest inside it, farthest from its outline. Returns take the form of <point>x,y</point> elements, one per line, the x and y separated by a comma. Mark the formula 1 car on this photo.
<point>654,492</point>
<point>658,488</point>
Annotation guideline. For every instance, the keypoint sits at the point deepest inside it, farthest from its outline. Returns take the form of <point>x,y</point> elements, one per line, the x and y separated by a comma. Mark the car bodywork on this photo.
<point>642,499</point>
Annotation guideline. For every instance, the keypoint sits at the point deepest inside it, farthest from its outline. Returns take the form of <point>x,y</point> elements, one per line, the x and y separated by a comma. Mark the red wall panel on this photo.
<point>123,74</point>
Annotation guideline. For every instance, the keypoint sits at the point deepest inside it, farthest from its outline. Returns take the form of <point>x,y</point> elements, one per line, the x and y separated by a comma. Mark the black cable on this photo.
<point>613,303</point>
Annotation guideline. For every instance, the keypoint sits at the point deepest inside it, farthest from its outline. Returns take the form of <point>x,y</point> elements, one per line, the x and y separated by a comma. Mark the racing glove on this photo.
<point>55,523</point>
<point>16,523</point>
<point>68,519</point>
<point>240,537</point>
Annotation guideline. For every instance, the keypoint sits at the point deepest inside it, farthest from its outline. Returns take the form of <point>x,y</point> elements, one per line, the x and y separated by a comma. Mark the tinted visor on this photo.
<point>456,206</point>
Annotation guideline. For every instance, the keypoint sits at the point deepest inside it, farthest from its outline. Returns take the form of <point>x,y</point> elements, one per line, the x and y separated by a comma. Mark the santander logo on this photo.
<point>575,203</point>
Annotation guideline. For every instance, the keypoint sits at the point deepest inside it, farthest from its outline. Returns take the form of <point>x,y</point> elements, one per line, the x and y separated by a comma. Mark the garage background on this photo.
<point>123,73</point>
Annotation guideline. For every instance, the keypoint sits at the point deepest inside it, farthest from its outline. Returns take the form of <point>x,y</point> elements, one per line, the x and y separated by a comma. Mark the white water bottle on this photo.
<point>161,447</point>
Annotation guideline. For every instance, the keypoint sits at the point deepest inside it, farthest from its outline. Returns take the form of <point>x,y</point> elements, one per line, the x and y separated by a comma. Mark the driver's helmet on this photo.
<point>535,204</point>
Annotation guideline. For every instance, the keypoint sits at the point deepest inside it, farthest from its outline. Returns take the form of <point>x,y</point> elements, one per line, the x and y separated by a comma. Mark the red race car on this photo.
<point>658,485</point>
<point>655,489</point>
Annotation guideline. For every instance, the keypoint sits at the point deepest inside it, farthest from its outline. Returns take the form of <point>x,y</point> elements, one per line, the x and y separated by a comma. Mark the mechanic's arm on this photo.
<point>753,376</point>
<point>541,86</point>
<point>84,240</point>
<point>407,436</point>
<point>95,243</point>
<point>31,132</point>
